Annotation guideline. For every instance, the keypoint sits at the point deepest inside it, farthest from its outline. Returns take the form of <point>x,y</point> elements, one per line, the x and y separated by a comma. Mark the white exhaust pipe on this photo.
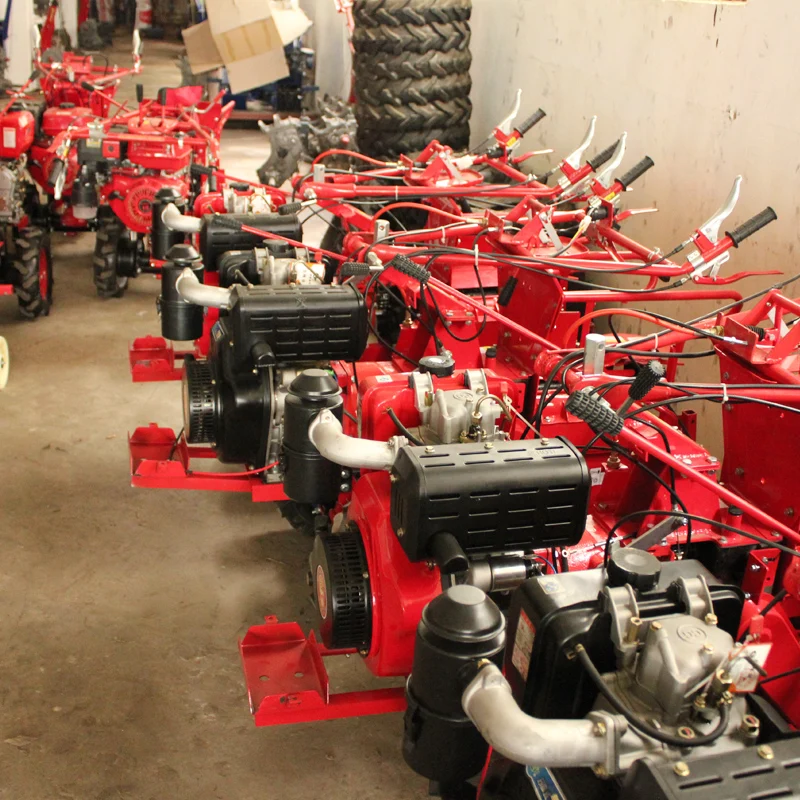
<point>192,291</point>
<point>176,221</point>
<point>326,434</point>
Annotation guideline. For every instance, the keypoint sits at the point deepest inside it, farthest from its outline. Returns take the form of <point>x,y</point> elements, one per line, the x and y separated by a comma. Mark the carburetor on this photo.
<point>451,416</point>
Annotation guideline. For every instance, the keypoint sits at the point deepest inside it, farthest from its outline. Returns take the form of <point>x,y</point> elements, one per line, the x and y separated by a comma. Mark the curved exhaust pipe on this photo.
<point>175,221</point>
<point>326,434</point>
<point>192,291</point>
<point>490,704</point>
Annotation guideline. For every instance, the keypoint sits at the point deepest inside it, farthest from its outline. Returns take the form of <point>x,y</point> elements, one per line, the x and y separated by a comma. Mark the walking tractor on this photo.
<point>506,506</point>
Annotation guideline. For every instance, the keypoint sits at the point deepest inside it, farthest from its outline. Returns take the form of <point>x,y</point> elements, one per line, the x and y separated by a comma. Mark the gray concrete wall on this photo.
<point>708,91</point>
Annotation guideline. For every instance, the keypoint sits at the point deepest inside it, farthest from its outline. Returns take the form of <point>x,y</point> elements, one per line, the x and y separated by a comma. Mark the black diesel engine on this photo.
<point>450,502</point>
<point>234,400</point>
<point>615,685</point>
<point>477,512</point>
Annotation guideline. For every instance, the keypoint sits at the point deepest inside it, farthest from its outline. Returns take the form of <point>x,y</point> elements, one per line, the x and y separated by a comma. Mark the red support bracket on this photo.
<point>287,681</point>
<point>152,359</point>
<point>161,460</point>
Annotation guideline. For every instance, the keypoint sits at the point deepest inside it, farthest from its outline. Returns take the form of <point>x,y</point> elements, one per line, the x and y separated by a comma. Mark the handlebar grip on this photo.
<point>58,166</point>
<point>88,86</point>
<point>636,172</point>
<point>533,119</point>
<point>353,268</point>
<point>200,169</point>
<point>752,225</point>
<point>603,156</point>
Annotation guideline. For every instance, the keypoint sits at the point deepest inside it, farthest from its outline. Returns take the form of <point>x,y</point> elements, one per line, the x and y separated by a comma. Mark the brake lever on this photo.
<point>737,276</point>
<point>505,125</point>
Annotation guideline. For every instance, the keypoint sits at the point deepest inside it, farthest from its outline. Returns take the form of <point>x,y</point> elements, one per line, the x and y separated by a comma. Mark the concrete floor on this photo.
<point>121,607</point>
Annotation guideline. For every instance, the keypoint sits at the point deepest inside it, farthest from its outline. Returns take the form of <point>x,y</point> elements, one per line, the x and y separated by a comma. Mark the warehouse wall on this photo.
<point>708,91</point>
<point>328,36</point>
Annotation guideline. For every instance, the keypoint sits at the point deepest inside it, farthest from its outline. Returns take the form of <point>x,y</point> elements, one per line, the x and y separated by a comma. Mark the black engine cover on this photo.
<point>520,495</point>
<point>551,614</point>
<point>295,324</point>
<point>217,238</point>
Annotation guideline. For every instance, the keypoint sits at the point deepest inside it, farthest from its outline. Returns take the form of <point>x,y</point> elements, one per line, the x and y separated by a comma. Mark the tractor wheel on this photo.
<point>391,144</point>
<point>382,92</point>
<point>108,282</point>
<point>411,65</point>
<point>424,65</point>
<point>414,117</point>
<point>442,37</point>
<point>299,516</point>
<point>33,266</point>
<point>373,13</point>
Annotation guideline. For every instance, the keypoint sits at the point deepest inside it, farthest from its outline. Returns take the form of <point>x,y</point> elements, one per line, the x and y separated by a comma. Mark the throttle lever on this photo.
<point>606,175</point>
<point>576,156</point>
<point>710,229</point>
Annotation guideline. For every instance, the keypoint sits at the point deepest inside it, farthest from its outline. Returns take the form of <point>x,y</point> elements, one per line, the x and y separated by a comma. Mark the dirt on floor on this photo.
<point>121,607</point>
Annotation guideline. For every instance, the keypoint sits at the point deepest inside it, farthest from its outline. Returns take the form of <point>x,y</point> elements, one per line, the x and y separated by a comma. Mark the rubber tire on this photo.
<point>414,117</point>
<point>408,90</point>
<point>425,65</point>
<point>31,246</point>
<point>385,144</point>
<point>374,13</point>
<point>298,515</point>
<point>106,280</point>
<point>412,38</point>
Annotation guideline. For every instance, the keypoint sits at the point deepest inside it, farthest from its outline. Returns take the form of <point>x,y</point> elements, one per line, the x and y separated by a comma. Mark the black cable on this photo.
<point>793,671</point>
<point>772,603</point>
<point>402,428</point>
<point>373,330</point>
<point>575,356</point>
<point>659,353</point>
<point>645,727</point>
<point>697,518</point>
<point>726,307</point>
<point>655,476</point>
<point>722,397</point>
<point>175,443</point>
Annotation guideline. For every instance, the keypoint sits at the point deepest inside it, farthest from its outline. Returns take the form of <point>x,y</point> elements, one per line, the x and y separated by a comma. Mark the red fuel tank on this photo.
<point>16,133</point>
<point>56,120</point>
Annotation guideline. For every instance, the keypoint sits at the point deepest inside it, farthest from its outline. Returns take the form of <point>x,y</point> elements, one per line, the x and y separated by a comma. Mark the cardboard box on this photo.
<point>246,37</point>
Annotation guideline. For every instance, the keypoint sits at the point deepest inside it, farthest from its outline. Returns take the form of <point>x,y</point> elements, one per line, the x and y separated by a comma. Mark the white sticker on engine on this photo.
<point>598,475</point>
<point>523,645</point>
<point>9,137</point>
<point>383,378</point>
<point>744,666</point>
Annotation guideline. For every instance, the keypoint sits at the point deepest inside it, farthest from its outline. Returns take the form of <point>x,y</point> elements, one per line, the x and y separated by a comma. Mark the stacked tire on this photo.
<point>411,65</point>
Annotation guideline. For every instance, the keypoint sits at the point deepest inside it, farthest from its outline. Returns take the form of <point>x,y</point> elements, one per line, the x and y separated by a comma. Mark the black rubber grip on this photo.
<point>636,172</point>
<point>533,119</point>
<point>240,186</point>
<point>752,225</point>
<point>199,169</point>
<point>88,86</point>
<point>408,267</point>
<point>227,221</point>
<point>646,379</point>
<point>351,268</point>
<point>604,155</point>
<point>55,171</point>
<point>289,208</point>
<point>594,412</point>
